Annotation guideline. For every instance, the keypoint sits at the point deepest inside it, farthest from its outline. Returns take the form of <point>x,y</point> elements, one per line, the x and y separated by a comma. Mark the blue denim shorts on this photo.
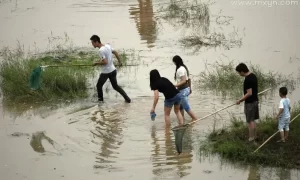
<point>185,102</point>
<point>176,100</point>
<point>283,123</point>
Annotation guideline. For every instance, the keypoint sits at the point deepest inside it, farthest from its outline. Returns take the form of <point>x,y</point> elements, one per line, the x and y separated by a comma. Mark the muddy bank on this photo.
<point>231,143</point>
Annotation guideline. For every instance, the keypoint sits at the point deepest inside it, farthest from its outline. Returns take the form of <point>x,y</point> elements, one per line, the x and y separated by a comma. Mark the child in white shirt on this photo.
<point>284,114</point>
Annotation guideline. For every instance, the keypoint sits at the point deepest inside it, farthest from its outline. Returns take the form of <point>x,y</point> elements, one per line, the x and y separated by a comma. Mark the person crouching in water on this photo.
<point>172,96</point>
<point>183,85</point>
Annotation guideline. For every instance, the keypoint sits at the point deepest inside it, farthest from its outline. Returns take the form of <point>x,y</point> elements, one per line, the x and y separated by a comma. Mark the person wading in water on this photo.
<point>109,70</point>
<point>172,96</point>
<point>183,85</point>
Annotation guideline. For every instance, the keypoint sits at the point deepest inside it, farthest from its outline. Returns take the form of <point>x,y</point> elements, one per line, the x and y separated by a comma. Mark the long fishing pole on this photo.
<point>274,135</point>
<point>219,110</point>
<point>83,65</point>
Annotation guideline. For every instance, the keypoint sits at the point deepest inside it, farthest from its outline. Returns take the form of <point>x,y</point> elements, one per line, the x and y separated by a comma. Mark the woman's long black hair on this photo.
<point>154,77</point>
<point>178,62</point>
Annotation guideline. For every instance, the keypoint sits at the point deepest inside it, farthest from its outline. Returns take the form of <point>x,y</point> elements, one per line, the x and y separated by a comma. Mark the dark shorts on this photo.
<point>251,111</point>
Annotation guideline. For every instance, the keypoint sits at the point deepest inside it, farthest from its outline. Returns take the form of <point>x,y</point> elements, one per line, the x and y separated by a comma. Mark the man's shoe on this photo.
<point>128,100</point>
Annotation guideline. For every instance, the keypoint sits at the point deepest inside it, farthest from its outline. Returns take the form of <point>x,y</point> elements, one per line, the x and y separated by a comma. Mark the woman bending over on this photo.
<point>172,96</point>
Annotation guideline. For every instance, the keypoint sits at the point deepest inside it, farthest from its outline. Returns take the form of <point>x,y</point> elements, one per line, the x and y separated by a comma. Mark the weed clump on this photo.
<point>224,80</point>
<point>58,83</point>
<point>231,143</point>
<point>188,14</point>
<point>216,39</point>
<point>197,16</point>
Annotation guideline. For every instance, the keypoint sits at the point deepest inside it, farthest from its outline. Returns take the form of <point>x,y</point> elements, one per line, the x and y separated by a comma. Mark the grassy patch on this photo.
<point>187,14</point>
<point>231,143</point>
<point>197,16</point>
<point>224,80</point>
<point>216,39</point>
<point>58,83</point>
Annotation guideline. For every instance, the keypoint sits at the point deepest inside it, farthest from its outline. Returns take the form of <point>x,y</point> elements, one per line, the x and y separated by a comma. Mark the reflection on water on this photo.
<point>146,25</point>
<point>254,173</point>
<point>164,156</point>
<point>34,109</point>
<point>188,14</point>
<point>284,174</point>
<point>36,141</point>
<point>108,134</point>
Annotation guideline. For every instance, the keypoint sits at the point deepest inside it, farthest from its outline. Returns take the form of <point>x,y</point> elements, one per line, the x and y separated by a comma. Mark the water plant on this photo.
<point>58,83</point>
<point>222,79</point>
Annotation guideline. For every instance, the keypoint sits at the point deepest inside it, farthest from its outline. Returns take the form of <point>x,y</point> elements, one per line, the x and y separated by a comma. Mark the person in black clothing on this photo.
<point>250,97</point>
<point>172,96</point>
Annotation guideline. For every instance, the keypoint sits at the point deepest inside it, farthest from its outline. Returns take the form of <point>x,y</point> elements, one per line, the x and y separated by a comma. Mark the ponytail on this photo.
<point>187,70</point>
<point>177,67</point>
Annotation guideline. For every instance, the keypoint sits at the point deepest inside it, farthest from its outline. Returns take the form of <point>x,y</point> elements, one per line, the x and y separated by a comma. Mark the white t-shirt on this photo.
<point>285,105</point>
<point>181,71</point>
<point>105,52</point>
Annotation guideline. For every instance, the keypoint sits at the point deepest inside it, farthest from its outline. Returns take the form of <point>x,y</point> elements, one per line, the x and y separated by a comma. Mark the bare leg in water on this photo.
<point>185,106</point>
<point>178,114</point>
<point>167,116</point>
<point>182,111</point>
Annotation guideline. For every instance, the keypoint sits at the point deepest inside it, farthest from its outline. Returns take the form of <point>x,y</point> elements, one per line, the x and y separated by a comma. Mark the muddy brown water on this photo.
<point>117,140</point>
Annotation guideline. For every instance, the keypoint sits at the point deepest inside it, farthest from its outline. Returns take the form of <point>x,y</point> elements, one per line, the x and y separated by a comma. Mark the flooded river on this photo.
<point>80,140</point>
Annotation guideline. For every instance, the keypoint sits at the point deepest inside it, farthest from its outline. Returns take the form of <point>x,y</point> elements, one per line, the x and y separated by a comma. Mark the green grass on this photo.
<point>58,83</point>
<point>224,80</point>
<point>187,14</point>
<point>196,16</point>
<point>197,40</point>
<point>231,143</point>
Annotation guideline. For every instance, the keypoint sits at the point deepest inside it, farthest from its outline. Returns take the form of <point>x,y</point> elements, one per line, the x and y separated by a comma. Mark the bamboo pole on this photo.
<point>222,109</point>
<point>82,65</point>
<point>273,135</point>
<point>185,125</point>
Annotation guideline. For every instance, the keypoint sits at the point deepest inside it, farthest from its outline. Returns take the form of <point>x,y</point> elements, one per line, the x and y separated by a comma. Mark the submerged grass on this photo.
<point>197,16</point>
<point>188,14</point>
<point>231,143</point>
<point>216,39</point>
<point>58,83</point>
<point>224,80</point>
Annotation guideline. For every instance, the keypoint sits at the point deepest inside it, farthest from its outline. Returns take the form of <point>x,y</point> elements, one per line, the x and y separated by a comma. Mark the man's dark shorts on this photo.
<point>251,111</point>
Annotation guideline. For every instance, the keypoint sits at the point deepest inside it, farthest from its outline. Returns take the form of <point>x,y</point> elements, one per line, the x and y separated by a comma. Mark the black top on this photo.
<point>166,87</point>
<point>251,82</point>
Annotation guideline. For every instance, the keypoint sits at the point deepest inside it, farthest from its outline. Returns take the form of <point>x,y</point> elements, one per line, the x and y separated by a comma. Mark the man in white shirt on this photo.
<point>109,70</point>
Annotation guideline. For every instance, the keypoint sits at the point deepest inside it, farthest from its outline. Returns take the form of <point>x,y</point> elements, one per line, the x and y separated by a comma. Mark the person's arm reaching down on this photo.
<point>156,96</point>
<point>190,85</point>
<point>280,110</point>
<point>117,56</point>
<point>248,94</point>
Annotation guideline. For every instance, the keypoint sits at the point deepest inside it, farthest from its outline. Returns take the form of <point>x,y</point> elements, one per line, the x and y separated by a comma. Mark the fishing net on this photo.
<point>178,133</point>
<point>35,78</point>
